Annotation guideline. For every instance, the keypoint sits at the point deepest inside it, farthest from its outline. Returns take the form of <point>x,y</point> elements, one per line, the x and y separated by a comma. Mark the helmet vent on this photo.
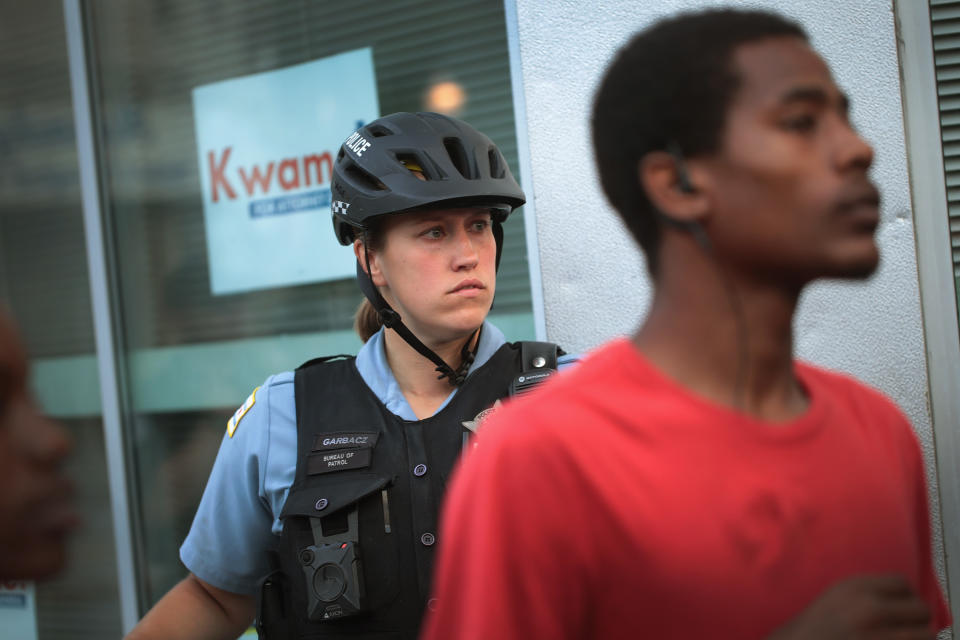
<point>458,156</point>
<point>414,165</point>
<point>379,131</point>
<point>496,167</point>
<point>362,179</point>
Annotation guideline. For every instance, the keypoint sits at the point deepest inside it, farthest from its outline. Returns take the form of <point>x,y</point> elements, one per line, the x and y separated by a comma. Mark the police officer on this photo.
<point>329,478</point>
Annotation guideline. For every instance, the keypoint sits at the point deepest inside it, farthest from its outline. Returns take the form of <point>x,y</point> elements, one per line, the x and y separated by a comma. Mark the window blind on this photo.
<point>945,22</point>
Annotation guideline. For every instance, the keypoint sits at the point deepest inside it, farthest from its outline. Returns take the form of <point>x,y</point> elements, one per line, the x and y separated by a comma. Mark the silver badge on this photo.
<point>475,424</point>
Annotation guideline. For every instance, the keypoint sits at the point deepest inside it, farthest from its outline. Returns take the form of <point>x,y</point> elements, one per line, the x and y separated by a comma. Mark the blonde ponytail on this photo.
<point>366,320</point>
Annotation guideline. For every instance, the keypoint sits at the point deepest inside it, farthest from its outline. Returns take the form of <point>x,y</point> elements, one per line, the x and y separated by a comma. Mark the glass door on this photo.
<point>44,285</point>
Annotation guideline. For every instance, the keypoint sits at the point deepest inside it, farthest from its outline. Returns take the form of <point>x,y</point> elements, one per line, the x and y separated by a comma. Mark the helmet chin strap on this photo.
<point>391,319</point>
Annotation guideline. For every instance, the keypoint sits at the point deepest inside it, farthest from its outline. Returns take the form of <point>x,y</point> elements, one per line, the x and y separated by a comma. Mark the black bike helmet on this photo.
<point>407,161</point>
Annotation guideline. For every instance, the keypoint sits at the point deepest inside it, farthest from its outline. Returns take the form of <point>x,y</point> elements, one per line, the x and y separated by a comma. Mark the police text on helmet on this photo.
<point>356,143</point>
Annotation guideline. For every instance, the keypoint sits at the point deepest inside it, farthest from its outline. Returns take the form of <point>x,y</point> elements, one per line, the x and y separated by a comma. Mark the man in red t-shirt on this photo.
<point>695,481</point>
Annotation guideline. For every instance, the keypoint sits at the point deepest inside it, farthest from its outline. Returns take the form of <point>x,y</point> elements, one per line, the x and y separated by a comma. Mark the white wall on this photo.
<point>594,282</point>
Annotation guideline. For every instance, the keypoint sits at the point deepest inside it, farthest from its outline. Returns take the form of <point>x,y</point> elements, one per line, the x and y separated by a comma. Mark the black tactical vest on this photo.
<point>360,521</point>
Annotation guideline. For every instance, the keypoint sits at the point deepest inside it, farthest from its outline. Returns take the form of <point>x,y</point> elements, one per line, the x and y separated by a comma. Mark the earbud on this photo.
<point>692,227</point>
<point>683,178</point>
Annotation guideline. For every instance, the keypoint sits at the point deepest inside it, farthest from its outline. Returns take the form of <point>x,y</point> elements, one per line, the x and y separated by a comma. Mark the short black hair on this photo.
<point>670,84</point>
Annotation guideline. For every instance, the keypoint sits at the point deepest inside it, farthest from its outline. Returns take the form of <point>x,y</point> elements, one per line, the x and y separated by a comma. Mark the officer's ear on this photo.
<point>672,186</point>
<point>362,252</point>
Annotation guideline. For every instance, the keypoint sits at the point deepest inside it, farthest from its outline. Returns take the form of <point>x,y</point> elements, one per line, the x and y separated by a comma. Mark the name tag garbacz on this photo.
<point>345,439</point>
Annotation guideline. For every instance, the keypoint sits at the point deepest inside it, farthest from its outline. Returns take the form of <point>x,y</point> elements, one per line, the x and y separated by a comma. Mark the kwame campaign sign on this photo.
<point>266,145</point>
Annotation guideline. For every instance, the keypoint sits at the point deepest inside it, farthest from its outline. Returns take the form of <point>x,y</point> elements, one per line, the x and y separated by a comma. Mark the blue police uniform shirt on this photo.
<point>238,515</point>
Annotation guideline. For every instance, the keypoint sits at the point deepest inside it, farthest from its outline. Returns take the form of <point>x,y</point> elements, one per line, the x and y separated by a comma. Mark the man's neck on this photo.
<point>417,375</point>
<point>728,341</point>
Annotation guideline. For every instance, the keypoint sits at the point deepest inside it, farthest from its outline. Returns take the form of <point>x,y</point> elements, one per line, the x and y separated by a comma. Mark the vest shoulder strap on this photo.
<point>531,350</point>
<point>323,359</point>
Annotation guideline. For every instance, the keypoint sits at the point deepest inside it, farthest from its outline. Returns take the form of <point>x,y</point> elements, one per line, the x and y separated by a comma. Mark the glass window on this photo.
<point>191,356</point>
<point>43,281</point>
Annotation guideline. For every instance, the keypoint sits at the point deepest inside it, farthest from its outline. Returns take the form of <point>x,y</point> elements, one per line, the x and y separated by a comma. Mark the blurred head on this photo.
<point>739,102</point>
<point>36,512</point>
<point>787,198</point>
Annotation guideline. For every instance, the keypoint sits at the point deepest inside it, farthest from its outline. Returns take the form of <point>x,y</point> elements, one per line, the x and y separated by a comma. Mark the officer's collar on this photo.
<point>375,370</point>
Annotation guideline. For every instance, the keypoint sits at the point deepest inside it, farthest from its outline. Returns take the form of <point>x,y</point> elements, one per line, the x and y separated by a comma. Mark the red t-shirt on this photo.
<point>614,503</point>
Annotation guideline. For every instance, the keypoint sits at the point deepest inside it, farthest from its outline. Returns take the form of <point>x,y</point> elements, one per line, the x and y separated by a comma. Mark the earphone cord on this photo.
<point>739,384</point>
<point>698,233</point>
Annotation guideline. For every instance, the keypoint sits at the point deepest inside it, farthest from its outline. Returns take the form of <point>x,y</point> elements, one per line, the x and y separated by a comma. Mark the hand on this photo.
<point>862,608</point>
